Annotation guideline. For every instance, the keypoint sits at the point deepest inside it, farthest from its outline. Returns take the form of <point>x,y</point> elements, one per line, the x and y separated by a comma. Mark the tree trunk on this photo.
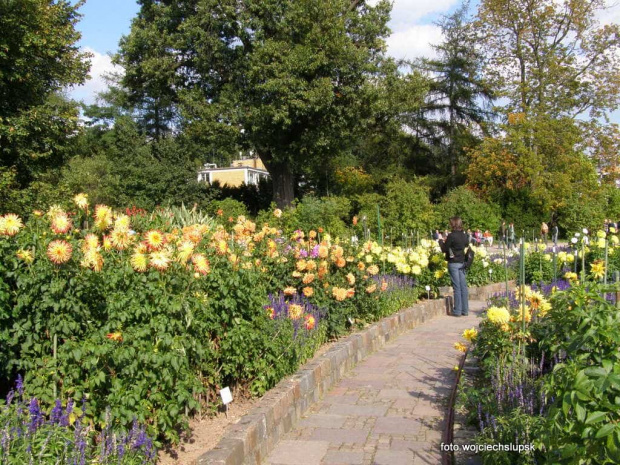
<point>282,179</point>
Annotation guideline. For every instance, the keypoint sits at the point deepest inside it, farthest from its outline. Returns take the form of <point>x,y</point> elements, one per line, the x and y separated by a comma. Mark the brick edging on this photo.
<point>252,439</point>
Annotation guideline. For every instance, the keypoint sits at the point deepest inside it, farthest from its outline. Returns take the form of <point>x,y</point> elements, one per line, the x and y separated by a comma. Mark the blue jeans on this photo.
<point>459,284</point>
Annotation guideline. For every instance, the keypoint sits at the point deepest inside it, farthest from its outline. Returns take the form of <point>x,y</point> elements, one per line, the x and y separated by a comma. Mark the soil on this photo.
<point>205,433</point>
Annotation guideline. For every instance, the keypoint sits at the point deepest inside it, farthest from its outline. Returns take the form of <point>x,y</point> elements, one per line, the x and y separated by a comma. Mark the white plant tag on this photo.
<point>226,396</point>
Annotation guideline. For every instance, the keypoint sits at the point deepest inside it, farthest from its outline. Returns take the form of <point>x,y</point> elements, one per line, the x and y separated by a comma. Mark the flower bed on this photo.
<point>147,316</point>
<point>550,377</point>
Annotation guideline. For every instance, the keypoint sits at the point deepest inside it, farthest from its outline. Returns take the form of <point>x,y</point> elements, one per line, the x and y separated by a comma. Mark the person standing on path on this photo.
<point>544,230</point>
<point>511,235</point>
<point>554,233</point>
<point>454,247</point>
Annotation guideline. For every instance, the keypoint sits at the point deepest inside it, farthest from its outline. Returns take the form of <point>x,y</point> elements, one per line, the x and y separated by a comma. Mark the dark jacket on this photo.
<point>457,241</point>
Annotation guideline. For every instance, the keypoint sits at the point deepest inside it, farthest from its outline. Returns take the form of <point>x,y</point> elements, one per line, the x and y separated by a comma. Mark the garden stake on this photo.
<point>379,232</point>
<point>522,291</point>
<point>606,258</point>
<point>55,359</point>
<point>505,270</point>
<point>583,260</point>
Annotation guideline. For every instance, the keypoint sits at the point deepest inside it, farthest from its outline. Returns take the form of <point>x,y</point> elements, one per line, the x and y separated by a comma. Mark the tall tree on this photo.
<point>551,56</point>
<point>39,58</point>
<point>457,110</point>
<point>291,80</point>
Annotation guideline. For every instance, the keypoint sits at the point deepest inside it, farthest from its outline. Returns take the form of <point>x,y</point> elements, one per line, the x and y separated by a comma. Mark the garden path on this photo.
<point>390,409</point>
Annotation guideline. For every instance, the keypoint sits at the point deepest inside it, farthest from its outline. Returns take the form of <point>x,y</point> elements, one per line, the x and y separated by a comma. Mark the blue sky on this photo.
<point>104,22</point>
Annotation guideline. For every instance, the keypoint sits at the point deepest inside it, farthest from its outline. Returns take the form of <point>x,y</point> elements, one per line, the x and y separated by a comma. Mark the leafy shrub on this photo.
<point>474,212</point>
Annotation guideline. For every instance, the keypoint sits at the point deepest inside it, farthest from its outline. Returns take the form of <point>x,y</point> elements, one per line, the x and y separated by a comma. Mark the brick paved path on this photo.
<point>390,409</point>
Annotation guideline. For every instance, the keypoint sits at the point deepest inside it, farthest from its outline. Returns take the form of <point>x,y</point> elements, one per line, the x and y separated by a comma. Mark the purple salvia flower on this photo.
<point>56,413</point>
<point>35,415</point>
<point>19,385</point>
<point>64,420</point>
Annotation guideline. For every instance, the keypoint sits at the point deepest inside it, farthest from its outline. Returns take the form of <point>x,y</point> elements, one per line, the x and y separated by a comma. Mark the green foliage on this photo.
<point>475,213</point>
<point>538,268</point>
<point>407,206</point>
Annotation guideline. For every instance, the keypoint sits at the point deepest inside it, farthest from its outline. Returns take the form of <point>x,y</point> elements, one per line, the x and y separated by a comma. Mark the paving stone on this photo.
<point>341,457</point>
<point>322,420</point>
<point>333,436</point>
<point>359,410</point>
<point>298,453</point>
<point>391,425</point>
<point>393,457</point>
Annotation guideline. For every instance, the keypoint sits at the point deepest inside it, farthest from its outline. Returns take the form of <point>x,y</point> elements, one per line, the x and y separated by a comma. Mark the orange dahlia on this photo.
<point>308,291</point>
<point>310,322</point>
<point>323,251</point>
<point>350,292</point>
<point>308,278</point>
<point>59,252</point>
<point>350,279</point>
<point>372,288</point>
<point>339,294</point>
<point>289,290</point>
<point>271,312</point>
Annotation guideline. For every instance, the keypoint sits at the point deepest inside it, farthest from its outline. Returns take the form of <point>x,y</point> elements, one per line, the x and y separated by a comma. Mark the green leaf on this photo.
<point>606,430</point>
<point>595,417</point>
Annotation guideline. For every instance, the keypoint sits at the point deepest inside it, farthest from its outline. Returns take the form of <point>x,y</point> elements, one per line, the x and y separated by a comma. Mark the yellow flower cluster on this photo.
<point>470,334</point>
<point>498,315</point>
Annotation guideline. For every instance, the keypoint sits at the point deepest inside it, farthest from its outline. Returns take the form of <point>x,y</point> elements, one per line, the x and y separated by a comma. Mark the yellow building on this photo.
<point>249,171</point>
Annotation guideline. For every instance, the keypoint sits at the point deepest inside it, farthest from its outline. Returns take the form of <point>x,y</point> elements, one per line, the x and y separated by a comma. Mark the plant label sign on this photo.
<point>226,395</point>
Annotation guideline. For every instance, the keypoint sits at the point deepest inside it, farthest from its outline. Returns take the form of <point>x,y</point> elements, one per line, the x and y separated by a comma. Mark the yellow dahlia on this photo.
<point>310,265</point>
<point>312,234</point>
<point>277,213</point>
<point>122,223</point>
<point>221,247</point>
<point>160,260</point>
<point>597,269</point>
<point>295,311</point>
<point>308,278</point>
<point>470,334</point>
<point>460,347</point>
<point>10,224</point>
<point>310,322</point>
<point>91,241</point>
<point>339,294</point>
<point>350,279</point>
<point>296,274</point>
<point>185,251</point>
<point>139,262</point>
<point>59,252</point>
<point>301,265</point>
<point>372,288</point>
<point>373,270</point>
<point>361,266</point>
<point>498,315</point>
<point>154,239</point>
<point>120,239</point>
<point>61,224</point>
<point>81,200</point>
<point>25,256</point>
<point>103,217</point>
<point>571,276</point>
<point>308,291</point>
<point>92,259</point>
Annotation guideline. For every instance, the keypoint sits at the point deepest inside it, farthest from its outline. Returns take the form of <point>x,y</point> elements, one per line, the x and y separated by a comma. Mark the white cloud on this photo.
<point>100,65</point>
<point>414,42</point>
<point>611,13</point>
<point>406,12</point>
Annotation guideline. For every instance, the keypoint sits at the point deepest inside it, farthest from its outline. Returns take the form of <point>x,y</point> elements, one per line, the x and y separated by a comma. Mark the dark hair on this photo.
<point>456,224</point>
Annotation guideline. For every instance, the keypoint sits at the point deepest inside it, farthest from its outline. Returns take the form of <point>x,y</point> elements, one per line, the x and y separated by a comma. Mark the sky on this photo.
<point>413,27</point>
